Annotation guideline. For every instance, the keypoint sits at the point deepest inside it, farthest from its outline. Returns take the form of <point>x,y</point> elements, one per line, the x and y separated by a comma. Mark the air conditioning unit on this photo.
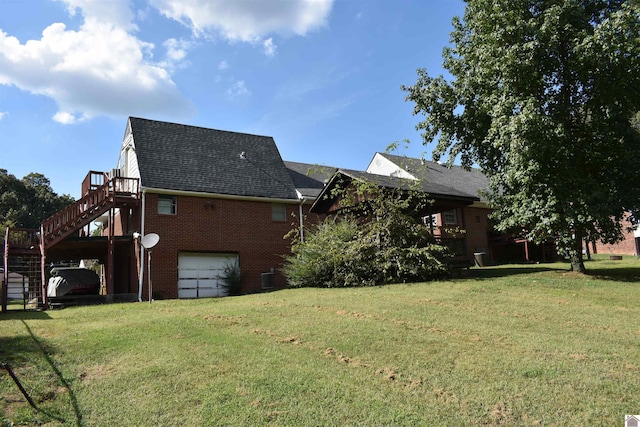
<point>267,280</point>
<point>115,173</point>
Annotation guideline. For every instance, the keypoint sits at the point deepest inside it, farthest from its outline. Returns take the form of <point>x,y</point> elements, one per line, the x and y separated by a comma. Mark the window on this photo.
<point>278,212</point>
<point>450,217</point>
<point>167,205</point>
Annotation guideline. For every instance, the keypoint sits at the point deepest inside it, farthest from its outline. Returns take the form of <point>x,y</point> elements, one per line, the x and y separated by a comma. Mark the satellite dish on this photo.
<point>150,240</point>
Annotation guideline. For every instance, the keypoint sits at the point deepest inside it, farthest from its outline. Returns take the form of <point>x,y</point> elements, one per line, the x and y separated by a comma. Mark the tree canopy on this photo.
<point>543,96</point>
<point>27,202</point>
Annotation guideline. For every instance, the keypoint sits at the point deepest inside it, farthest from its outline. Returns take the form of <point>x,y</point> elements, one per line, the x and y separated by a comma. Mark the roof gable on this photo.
<point>189,158</point>
<point>471,181</point>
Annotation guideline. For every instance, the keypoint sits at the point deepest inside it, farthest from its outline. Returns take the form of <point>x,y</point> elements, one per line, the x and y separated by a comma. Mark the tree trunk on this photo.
<point>586,248</point>
<point>575,254</point>
<point>577,264</point>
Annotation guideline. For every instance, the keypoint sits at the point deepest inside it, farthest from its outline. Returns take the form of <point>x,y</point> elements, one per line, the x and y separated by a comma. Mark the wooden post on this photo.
<point>110,241</point>
<point>465,243</point>
<point>5,271</point>
<point>43,270</point>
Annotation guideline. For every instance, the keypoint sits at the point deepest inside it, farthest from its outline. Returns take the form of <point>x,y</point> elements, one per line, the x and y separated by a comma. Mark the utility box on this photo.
<point>480,259</point>
<point>267,280</point>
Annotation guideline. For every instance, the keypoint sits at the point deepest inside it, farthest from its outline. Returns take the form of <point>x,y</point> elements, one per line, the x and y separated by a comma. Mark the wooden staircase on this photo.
<point>21,259</point>
<point>25,249</point>
<point>100,193</point>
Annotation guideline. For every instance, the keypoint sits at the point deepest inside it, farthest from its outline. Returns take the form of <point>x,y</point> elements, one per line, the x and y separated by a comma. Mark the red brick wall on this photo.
<point>476,220</point>
<point>218,225</point>
<point>626,247</point>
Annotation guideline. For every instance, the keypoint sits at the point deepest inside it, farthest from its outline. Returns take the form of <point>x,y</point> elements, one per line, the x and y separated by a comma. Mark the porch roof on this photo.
<point>444,197</point>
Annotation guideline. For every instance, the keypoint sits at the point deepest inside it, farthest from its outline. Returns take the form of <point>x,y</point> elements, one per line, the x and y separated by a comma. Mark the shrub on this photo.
<point>232,279</point>
<point>385,244</point>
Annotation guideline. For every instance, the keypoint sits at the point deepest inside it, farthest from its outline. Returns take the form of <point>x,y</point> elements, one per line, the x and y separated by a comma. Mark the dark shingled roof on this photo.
<point>189,158</point>
<point>444,195</point>
<point>309,179</point>
<point>408,184</point>
<point>471,182</point>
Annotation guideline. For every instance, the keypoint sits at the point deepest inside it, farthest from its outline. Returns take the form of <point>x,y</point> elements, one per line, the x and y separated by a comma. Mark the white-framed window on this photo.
<point>450,217</point>
<point>278,212</point>
<point>167,205</point>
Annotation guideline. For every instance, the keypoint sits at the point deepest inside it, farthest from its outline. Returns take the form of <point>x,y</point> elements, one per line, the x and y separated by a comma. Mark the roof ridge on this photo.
<point>199,127</point>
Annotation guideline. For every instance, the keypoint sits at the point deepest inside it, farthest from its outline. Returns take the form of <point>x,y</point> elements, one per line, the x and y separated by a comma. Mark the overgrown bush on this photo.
<point>381,243</point>
<point>232,279</point>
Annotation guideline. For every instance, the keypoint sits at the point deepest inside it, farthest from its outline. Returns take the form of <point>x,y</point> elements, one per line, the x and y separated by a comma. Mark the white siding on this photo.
<point>128,161</point>
<point>383,166</point>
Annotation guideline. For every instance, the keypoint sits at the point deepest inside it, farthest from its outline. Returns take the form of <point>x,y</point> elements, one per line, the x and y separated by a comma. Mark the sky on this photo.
<point>322,77</point>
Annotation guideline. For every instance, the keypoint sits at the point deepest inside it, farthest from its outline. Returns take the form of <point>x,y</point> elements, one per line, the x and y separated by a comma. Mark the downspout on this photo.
<point>141,279</point>
<point>300,214</point>
<point>301,221</point>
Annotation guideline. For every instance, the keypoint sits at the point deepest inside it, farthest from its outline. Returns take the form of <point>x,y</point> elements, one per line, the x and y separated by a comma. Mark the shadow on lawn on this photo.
<point>498,272</point>
<point>620,274</point>
<point>21,351</point>
<point>24,315</point>
<point>595,270</point>
<point>72,397</point>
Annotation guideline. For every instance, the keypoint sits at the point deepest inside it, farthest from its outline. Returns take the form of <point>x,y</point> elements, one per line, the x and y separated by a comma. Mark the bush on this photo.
<point>232,279</point>
<point>388,245</point>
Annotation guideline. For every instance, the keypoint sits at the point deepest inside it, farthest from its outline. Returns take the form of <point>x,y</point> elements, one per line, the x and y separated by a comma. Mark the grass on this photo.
<point>511,345</point>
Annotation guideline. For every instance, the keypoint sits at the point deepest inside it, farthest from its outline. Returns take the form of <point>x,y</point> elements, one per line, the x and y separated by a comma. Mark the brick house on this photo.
<point>215,198</point>
<point>473,218</point>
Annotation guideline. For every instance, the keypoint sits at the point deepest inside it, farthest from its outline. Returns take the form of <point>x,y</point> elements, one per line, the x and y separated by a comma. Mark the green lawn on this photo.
<point>511,345</point>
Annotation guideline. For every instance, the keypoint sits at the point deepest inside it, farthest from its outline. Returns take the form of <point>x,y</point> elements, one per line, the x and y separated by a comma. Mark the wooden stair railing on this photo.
<point>94,203</point>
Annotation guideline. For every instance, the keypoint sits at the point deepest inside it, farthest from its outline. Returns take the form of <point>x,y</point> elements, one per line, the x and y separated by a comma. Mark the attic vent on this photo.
<point>115,173</point>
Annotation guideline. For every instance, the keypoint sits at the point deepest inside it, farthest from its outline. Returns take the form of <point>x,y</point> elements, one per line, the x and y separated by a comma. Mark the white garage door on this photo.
<point>200,275</point>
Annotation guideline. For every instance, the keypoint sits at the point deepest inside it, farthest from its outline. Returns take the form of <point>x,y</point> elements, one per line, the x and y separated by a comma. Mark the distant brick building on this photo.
<point>630,245</point>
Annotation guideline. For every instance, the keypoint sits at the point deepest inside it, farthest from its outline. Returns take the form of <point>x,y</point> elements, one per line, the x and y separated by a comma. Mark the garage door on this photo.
<point>200,275</point>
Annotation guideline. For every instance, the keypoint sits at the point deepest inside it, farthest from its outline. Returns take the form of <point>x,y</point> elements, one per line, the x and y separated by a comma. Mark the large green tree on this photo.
<point>27,202</point>
<point>542,96</point>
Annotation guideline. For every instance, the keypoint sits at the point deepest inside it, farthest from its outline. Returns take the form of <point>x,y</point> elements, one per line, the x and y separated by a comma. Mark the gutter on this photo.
<point>141,279</point>
<point>219,195</point>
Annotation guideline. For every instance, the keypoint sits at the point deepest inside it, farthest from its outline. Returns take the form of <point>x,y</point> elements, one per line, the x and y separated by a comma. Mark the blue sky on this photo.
<point>322,77</point>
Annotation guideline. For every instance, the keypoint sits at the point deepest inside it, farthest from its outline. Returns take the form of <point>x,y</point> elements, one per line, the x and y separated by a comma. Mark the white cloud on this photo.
<point>3,114</point>
<point>67,118</point>
<point>100,69</point>
<point>116,12</point>
<point>223,65</point>
<point>176,54</point>
<point>176,49</point>
<point>238,88</point>
<point>269,47</point>
<point>247,20</point>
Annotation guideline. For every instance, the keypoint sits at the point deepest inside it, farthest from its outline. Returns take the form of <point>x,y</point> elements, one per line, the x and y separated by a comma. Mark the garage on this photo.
<point>200,274</point>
